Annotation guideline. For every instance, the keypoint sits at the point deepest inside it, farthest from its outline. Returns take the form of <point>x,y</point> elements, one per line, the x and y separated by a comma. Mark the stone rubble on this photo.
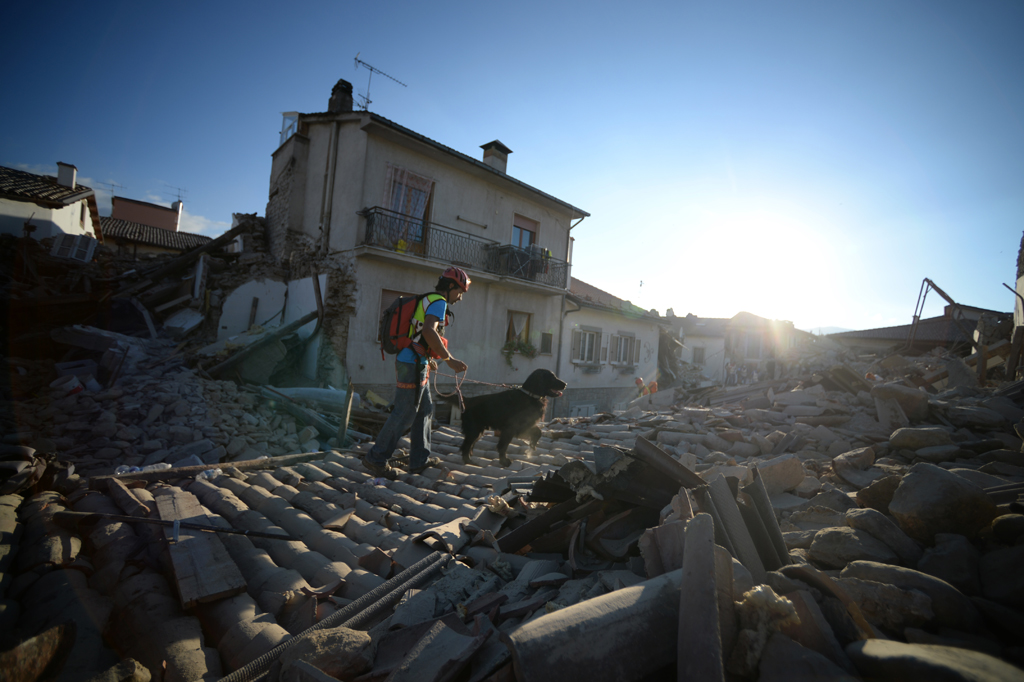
<point>898,508</point>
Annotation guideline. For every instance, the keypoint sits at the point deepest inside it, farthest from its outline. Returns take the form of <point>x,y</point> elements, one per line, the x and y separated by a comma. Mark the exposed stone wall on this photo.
<point>278,207</point>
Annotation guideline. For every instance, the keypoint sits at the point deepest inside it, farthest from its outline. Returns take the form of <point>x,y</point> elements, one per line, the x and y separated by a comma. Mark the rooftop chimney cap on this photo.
<point>341,97</point>
<point>67,175</point>
<point>496,145</point>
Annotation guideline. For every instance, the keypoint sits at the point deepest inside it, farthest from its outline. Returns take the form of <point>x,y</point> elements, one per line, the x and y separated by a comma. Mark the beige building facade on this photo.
<point>389,209</point>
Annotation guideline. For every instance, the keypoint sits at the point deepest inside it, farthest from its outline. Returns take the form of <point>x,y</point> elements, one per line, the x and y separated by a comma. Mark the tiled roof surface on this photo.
<point>932,329</point>
<point>18,184</point>
<point>585,293</point>
<point>705,326</point>
<point>144,234</point>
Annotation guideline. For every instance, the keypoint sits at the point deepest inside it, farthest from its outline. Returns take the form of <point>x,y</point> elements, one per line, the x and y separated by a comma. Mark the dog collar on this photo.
<point>532,395</point>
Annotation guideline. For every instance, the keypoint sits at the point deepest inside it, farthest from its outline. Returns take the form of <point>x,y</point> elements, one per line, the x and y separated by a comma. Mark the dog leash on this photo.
<point>458,388</point>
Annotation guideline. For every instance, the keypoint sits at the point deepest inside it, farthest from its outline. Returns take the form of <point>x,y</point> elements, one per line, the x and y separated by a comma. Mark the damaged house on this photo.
<point>378,210</point>
<point>745,339</point>
<point>608,344</point>
<point>49,206</point>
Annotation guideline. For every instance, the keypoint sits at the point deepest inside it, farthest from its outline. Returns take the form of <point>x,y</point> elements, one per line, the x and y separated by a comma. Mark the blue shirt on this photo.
<point>437,309</point>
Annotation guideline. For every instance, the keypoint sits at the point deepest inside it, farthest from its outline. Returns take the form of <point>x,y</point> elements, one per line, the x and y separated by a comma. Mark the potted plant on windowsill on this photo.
<point>524,348</point>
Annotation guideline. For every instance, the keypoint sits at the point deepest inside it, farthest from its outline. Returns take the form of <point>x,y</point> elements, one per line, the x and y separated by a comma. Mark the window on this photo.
<point>76,248</point>
<point>524,231</point>
<point>387,297</point>
<point>585,342</point>
<point>698,356</point>
<point>621,348</point>
<point>408,195</point>
<point>289,125</point>
<point>545,343</point>
<point>518,327</point>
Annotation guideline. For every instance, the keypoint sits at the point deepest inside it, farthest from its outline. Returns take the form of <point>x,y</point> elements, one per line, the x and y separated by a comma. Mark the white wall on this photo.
<point>714,355</point>
<point>302,301</point>
<point>609,376</point>
<point>234,317</point>
<point>49,222</point>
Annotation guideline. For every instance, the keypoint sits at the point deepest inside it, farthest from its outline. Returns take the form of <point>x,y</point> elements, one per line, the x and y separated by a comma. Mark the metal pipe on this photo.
<point>258,668</point>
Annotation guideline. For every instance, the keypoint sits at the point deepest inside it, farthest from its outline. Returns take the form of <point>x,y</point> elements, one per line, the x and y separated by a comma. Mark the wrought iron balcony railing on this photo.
<point>405,234</point>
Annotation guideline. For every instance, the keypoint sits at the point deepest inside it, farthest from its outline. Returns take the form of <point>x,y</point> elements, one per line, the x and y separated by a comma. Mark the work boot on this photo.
<point>384,470</point>
<point>431,462</point>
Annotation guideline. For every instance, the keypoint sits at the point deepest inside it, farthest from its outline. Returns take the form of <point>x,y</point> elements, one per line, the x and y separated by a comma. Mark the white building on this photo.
<point>607,344</point>
<point>51,206</point>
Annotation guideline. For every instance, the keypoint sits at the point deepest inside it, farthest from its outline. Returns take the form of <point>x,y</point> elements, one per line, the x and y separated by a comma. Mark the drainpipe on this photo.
<point>561,336</point>
<point>328,192</point>
<point>561,324</point>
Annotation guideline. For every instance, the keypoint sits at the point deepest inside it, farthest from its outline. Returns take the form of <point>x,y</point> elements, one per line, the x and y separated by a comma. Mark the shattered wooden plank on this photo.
<point>203,570</point>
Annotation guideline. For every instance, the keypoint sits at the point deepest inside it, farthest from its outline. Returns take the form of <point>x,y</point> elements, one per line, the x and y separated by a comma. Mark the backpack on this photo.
<point>396,321</point>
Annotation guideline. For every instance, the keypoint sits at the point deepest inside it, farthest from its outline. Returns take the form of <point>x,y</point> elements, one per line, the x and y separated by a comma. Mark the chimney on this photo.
<point>66,174</point>
<point>179,207</point>
<point>341,98</point>
<point>496,155</point>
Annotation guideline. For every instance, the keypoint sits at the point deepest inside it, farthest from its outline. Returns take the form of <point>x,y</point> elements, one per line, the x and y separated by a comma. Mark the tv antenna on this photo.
<point>110,186</point>
<point>181,191</point>
<point>365,105</point>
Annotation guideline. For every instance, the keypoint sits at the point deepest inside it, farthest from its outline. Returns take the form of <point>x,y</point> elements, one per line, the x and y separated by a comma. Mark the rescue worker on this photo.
<point>413,402</point>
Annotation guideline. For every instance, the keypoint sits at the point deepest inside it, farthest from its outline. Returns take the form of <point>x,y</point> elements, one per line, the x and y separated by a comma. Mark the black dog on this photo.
<point>513,413</point>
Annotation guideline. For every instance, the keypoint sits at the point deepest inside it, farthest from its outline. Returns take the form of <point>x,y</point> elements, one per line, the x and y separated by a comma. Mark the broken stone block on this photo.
<point>912,401</point>
<point>932,500</point>
<point>836,547</point>
<point>951,607</point>
<point>955,560</point>
<point>889,607</point>
<point>917,438</point>
<point>1002,579</point>
<point>781,474</point>
<point>879,494</point>
<point>1008,528</point>
<point>878,525</point>
<point>889,660</point>
<point>180,434</point>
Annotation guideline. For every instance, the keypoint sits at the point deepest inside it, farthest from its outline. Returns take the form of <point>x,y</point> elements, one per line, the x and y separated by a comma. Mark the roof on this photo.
<point>940,329</point>
<point>153,236</point>
<point>24,186</point>
<point>590,296</point>
<point>704,326</point>
<point>444,148</point>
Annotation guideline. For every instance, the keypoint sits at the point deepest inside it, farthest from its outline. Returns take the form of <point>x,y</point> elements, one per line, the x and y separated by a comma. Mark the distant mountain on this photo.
<point>821,331</point>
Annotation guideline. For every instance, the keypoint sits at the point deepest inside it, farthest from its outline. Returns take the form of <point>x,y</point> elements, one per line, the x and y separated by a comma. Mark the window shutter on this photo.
<point>636,352</point>
<point>604,350</point>
<point>613,347</point>
<point>575,345</point>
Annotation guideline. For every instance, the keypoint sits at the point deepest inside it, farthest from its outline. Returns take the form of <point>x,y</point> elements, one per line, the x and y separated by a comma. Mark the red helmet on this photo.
<point>457,275</point>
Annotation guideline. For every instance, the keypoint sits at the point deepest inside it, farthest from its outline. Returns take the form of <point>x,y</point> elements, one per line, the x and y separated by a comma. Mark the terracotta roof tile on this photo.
<point>18,184</point>
<point>115,228</point>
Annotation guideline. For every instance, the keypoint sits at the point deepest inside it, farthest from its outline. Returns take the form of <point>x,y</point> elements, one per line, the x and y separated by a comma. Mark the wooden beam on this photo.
<point>203,569</point>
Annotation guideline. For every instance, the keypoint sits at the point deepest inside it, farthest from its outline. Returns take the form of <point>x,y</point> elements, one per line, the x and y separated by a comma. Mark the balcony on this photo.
<point>404,234</point>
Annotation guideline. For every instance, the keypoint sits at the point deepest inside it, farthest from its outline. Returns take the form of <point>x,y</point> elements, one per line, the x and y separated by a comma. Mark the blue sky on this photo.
<point>806,161</point>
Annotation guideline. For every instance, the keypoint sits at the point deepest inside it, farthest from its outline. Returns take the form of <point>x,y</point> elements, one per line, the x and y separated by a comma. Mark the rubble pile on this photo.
<point>789,529</point>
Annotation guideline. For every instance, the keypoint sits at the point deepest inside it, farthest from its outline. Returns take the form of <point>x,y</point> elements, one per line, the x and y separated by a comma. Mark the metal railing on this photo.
<point>405,234</point>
